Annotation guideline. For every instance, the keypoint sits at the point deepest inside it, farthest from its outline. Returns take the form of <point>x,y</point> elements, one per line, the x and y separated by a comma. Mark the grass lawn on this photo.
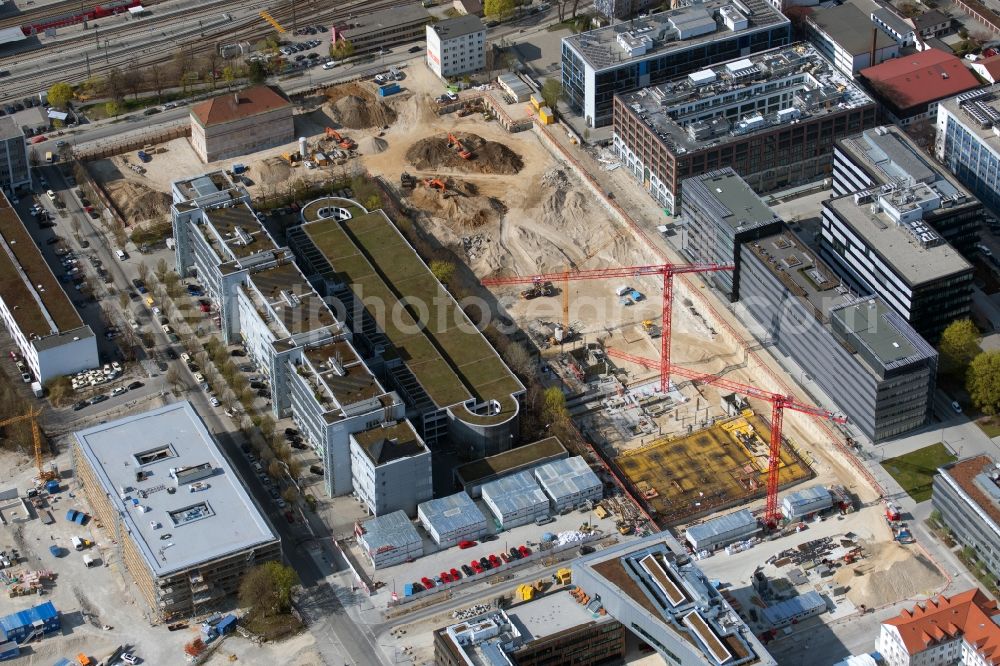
<point>989,425</point>
<point>915,470</point>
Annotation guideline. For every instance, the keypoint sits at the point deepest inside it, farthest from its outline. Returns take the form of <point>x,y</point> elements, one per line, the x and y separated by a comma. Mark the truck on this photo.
<point>36,388</point>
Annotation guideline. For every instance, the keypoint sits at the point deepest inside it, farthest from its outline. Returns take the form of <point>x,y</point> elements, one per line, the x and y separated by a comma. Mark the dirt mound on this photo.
<point>889,574</point>
<point>137,202</point>
<point>487,156</point>
<point>372,145</point>
<point>459,205</point>
<point>275,170</point>
<point>359,112</point>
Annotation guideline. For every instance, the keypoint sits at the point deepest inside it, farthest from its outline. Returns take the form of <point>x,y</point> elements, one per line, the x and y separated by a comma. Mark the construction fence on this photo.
<point>132,142</point>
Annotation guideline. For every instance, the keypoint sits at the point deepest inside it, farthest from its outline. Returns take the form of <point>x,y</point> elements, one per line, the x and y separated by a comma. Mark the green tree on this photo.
<point>60,94</point>
<point>983,382</point>
<point>228,75</point>
<point>112,108</point>
<point>499,10</point>
<point>444,271</point>
<point>551,92</point>
<point>257,72</point>
<point>342,49</point>
<point>554,405</point>
<point>267,589</point>
<point>958,346</point>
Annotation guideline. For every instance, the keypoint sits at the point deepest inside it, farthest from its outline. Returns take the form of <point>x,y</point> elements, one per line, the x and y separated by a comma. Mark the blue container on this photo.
<point>408,590</point>
<point>56,551</point>
<point>388,89</point>
<point>81,518</point>
<point>71,515</point>
<point>226,625</point>
<point>52,486</point>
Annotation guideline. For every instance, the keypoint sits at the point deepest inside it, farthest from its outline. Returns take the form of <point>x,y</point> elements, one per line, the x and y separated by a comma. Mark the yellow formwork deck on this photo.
<point>721,466</point>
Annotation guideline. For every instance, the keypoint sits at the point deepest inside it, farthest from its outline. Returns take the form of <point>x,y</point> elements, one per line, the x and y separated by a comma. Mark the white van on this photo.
<point>121,255</point>
<point>52,195</point>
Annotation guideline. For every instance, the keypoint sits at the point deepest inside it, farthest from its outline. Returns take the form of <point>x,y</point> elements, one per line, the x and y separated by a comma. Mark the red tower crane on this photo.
<point>667,271</point>
<point>779,403</point>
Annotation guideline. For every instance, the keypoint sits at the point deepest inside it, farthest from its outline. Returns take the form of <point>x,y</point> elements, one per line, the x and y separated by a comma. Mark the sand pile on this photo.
<point>488,156</point>
<point>357,112</point>
<point>460,206</point>
<point>137,202</point>
<point>889,574</point>
<point>275,170</point>
<point>372,145</point>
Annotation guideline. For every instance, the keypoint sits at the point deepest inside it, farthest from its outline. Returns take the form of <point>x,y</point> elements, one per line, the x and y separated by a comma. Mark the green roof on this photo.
<point>512,460</point>
<point>452,361</point>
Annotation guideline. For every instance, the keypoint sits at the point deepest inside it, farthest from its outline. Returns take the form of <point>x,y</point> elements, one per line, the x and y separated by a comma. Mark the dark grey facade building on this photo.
<point>15,170</point>
<point>885,156</point>
<point>865,356</point>
<point>720,213</point>
<point>967,494</point>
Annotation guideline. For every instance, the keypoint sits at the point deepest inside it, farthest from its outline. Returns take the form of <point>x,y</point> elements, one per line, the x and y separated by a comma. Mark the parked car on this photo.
<point>476,566</point>
<point>485,563</point>
<point>494,561</point>
<point>80,405</point>
<point>454,574</point>
<point>445,577</point>
<point>467,570</point>
<point>427,583</point>
<point>134,385</point>
<point>100,397</point>
<point>515,554</point>
<point>524,550</point>
<point>466,544</point>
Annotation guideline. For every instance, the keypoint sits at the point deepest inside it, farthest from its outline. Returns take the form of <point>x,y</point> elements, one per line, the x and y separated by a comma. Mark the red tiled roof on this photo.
<point>991,65</point>
<point>921,78</point>
<point>240,104</point>
<point>968,614</point>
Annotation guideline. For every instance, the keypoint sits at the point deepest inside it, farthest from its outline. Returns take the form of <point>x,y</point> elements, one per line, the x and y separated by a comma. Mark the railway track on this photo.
<point>197,41</point>
<point>54,11</point>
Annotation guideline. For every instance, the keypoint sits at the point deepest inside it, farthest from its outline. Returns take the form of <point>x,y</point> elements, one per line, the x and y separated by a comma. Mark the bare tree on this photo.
<point>114,85</point>
<point>143,270</point>
<point>132,79</point>
<point>182,65</point>
<point>213,62</point>
<point>157,80</point>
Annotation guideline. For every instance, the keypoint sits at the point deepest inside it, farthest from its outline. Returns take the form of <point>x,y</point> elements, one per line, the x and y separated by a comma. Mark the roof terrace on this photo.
<point>450,358</point>
<point>386,443</point>
<point>674,30</point>
<point>237,232</point>
<point>338,369</point>
<point>702,109</point>
<point>979,110</point>
<point>291,306</point>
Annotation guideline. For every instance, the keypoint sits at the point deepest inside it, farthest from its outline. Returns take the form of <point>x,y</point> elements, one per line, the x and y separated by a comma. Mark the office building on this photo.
<point>625,9</point>
<point>240,123</point>
<point>719,213</point>
<point>772,117</point>
<point>911,86</point>
<point>389,539</point>
<point>45,327</point>
<point>878,241</point>
<point>451,519</point>
<point>960,630</point>
<point>569,482</point>
<point>515,500</point>
<point>654,589</point>
<point>967,128</point>
<point>391,468</point>
<point>265,302</point>
<point>451,380</point>
<point>160,473</point>
<point>722,531</point>
<point>15,167</point>
<point>885,156</point>
<point>550,630</point>
<point>848,38</point>
<point>967,495</point>
<point>620,58</point>
<point>456,46</point>
<point>471,476</point>
<point>384,28</point>
<point>865,356</point>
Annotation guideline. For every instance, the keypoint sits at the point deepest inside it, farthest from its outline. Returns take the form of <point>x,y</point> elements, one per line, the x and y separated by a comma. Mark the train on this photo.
<point>102,10</point>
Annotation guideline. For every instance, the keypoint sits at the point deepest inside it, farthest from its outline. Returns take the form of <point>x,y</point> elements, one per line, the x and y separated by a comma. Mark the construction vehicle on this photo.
<point>563,576</point>
<point>436,183</point>
<point>44,474</point>
<point>293,159</point>
<point>463,152</point>
<point>538,289</point>
<point>407,181</point>
<point>524,592</point>
<point>342,141</point>
<point>650,329</point>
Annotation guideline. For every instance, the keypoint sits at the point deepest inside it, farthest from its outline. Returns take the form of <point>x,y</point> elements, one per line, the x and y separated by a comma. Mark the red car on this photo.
<point>494,561</point>
<point>476,566</point>
<point>524,550</point>
<point>427,583</point>
<point>455,575</point>
<point>461,544</point>
<point>445,577</point>
<point>290,517</point>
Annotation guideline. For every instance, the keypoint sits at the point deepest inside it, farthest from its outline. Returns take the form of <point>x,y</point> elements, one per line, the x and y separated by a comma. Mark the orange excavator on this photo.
<point>436,183</point>
<point>342,141</point>
<point>463,152</point>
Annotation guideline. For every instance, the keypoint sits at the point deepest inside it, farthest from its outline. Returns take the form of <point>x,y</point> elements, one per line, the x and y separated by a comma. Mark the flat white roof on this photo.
<point>176,526</point>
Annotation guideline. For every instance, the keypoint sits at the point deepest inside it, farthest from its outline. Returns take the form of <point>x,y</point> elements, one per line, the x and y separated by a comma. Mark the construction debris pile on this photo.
<point>456,201</point>
<point>361,111</point>
<point>470,152</point>
<point>893,572</point>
